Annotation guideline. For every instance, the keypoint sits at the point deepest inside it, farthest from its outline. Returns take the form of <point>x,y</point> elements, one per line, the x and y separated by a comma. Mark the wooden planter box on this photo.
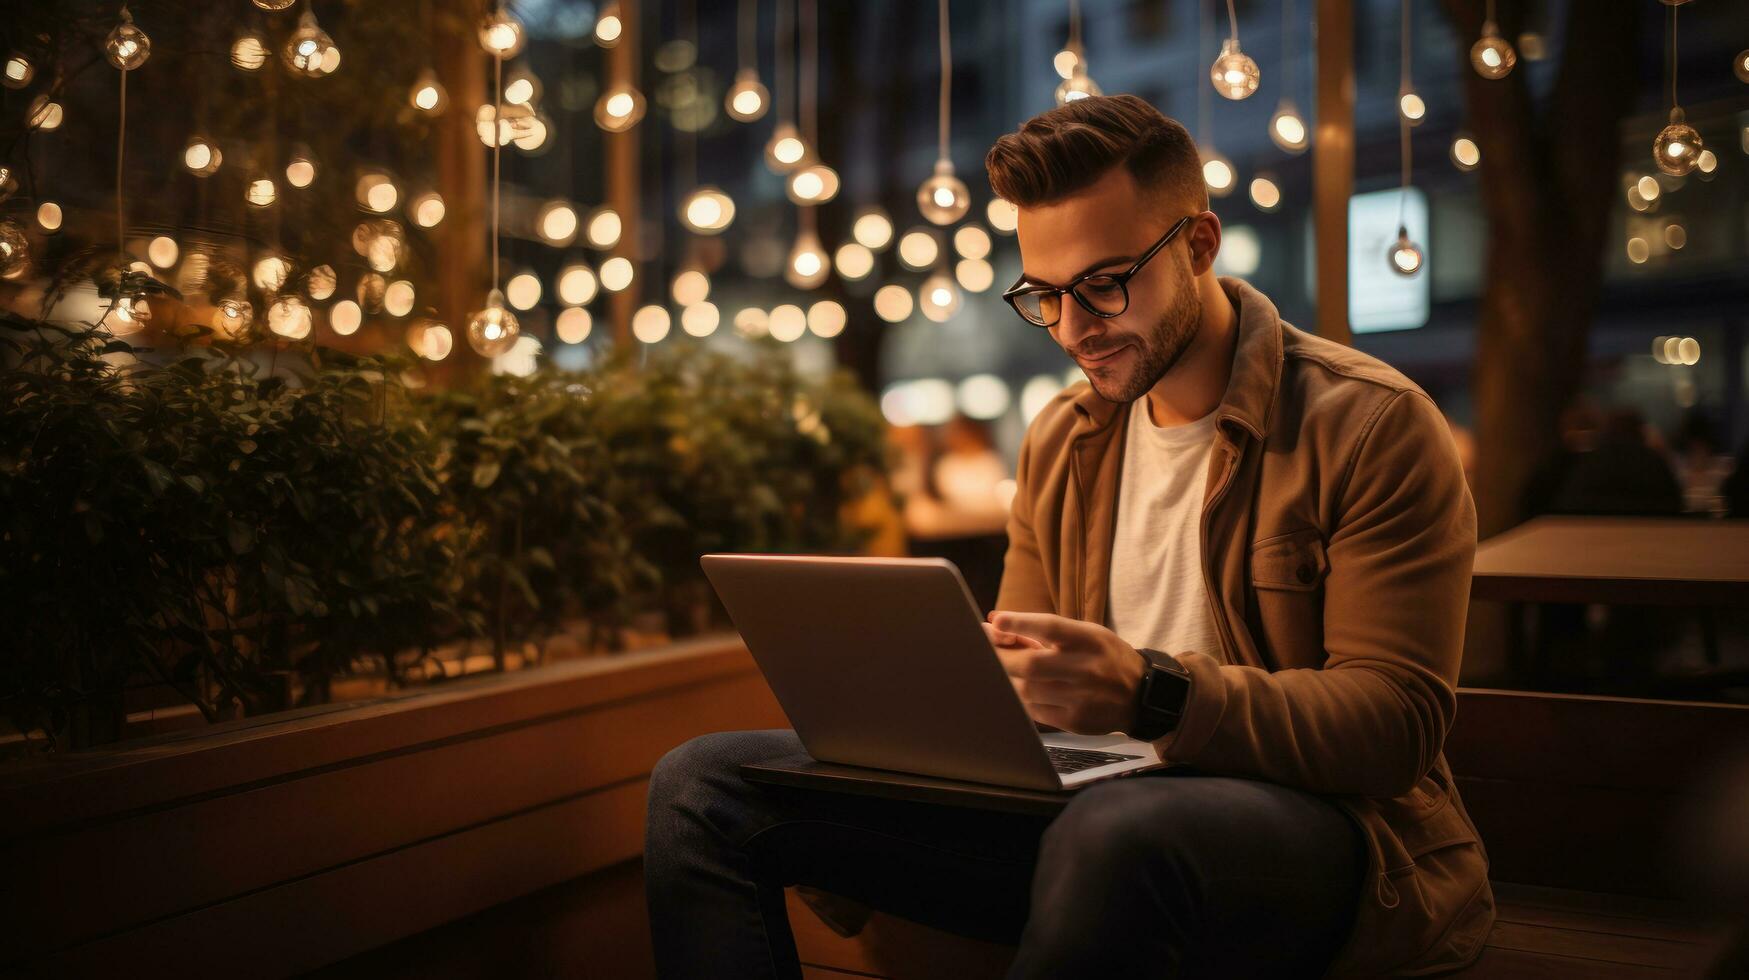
<point>278,846</point>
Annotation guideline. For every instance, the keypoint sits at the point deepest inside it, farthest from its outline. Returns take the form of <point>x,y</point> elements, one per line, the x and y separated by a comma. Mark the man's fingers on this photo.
<point>1002,639</point>
<point>1040,663</point>
<point>1045,627</point>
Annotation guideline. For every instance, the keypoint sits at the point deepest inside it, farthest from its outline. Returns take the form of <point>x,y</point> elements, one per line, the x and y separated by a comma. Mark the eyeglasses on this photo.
<point>1103,294</point>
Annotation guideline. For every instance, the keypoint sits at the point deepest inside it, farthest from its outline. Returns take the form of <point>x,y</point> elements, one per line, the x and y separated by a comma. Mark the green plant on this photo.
<point>530,485</point>
<point>202,525</point>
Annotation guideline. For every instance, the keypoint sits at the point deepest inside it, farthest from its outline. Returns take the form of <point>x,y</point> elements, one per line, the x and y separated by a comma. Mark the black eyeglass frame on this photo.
<point>1022,287</point>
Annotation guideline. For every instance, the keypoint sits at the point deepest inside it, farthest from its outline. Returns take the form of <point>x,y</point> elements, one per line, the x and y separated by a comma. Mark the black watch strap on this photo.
<point>1160,700</point>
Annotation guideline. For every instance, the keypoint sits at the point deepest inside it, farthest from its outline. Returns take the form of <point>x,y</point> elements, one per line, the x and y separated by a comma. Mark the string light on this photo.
<point>128,47</point>
<point>427,209</point>
<point>1002,215</point>
<point>1491,56</point>
<point>1740,65</point>
<point>972,242</point>
<point>1465,153</point>
<point>14,248</point>
<point>1405,256</point>
<point>300,171</point>
<point>1410,106</point>
<point>650,324</point>
<point>1218,173</point>
<point>872,228</point>
<point>501,35</point>
<point>1287,128</point>
<point>8,184</point>
<point>788,322</point>
<point>321,282</point>
<point>573,325</point>
<point>289,317</point>
<point>893,303</point>
<point>1265,193</point>
<point>747,99</point>
<point>310,52</point>
<point>826,319</point>
<point>1234,74</point>
<point>690,287</point>
<point>1076,83</point>
<point>273,4</point>
<point>609,27</point>
<point>428,94</point>
<point>939,297</point>
<point>576,285</point>
<point>44,114</point>
<point>785,149</point>
<point>620,108</point>
<point>248,52</point>
<point>18,71</point>
<point>808,265</point>
<point>853,261</point>
<point>707,210</point>
<point>617,273</point>
<point>201,157</point>
<point>556,224</point>
<point>1678,145</point>
<point>918,249</point>
<point>48,217</point>
<point>943,198</point>
<point>974,275</point>
<point>493,330</point>
<point>700,319</point>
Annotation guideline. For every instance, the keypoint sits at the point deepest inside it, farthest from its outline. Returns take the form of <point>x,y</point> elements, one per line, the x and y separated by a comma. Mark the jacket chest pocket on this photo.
<point>1292,562</point>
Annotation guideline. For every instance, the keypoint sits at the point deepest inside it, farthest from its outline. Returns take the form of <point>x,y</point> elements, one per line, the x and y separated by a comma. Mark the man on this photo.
<point>1246,544</point>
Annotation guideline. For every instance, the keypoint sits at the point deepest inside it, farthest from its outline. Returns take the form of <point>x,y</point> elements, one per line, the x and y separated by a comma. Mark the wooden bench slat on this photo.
<point>1593,944</point>
<point>1513,964</point>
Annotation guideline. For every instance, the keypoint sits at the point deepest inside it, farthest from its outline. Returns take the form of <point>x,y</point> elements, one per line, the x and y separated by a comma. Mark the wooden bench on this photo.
<point>1575,797</point>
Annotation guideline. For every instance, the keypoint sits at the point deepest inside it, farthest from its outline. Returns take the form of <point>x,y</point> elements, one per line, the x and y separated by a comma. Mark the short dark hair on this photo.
<point>1069,148</point>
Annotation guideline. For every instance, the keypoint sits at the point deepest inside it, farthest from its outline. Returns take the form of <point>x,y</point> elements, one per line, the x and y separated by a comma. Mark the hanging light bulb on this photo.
<point>44,113</point>
<point>300,171</point>
<point>289,317</point>
<point>1406,257</point>
<point>523,88</point>
<point>233,316</point>
<point>943,198</point>
<point>500,33</point>
<point>808,263</point>
<point>1740,65</point>
<point>310,52</point>
<point>812,184</point>
<point>619,108</point>
<point>1079,85</point>
<point>1234,74</point>
<point>1218,172</point>
<point>14,247</point>
<point>1288,128</point>
<point>128,47</point>
<point>493,330</point>
<point>8,184</point>
<point>273,4</point>
<point>747,99</point>
<point>201,156</point>
<point>785,149</point>
<point>427,209</point>
<point>248,52</point>
<point>1492,55</point>
<point>1465,153</point>
<point>126,315</point>
<point>428,95</point>
<point>1412,106</point>
<point>609,26</point>
<point>261,193</point>
<point>873,228</point>
<point>939,297</point>
<point>18,71</point>
<point>690,287</point>
<point>707,210</point>
<point>1678,146</point>
<point>557,223</point>
<point>1064,62</point>
<point>321,282</point>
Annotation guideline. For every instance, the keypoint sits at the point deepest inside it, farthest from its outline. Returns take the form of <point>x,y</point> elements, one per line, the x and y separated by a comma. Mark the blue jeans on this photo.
<point>1162,875</point>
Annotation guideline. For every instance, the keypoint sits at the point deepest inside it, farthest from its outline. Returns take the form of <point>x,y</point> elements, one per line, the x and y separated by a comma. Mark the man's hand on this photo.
<point>1073,675</point>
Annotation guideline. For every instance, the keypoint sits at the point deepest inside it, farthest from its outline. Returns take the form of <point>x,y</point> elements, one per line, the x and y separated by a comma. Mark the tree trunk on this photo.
<point>1546,180</point>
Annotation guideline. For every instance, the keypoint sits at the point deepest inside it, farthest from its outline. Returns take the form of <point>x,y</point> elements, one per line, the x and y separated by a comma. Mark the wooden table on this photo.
<point>1624,560</point>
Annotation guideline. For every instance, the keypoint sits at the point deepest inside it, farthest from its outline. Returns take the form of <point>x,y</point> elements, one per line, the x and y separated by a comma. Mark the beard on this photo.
<point>1156,352</point>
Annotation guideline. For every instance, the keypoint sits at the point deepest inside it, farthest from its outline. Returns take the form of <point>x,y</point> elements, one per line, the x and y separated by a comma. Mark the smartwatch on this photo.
<point>1161,697</point>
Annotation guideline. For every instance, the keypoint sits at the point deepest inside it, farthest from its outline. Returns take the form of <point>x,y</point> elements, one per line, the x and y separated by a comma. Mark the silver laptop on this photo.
<point>883,662</point>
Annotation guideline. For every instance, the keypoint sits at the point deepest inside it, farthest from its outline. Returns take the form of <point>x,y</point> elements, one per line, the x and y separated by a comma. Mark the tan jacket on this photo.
<point>1337,539</point>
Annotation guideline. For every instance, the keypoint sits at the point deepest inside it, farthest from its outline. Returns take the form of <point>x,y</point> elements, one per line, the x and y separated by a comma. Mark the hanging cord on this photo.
<point>689,136</point>
<point>1075,29</point>
<point>1232,22</point>
<point>1288,54</point>
<point>497,147</point>
<point>810,78</point>
<point>783,36</point>
<point>748,31</point>
<point>121,142</point>
<point>1403,121</point>
<point>1673,99</point>
<point>945,106</point>
<point>1202,91</point>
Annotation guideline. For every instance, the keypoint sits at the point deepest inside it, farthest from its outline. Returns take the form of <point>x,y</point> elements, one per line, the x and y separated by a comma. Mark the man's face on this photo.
<point>1105,228</point>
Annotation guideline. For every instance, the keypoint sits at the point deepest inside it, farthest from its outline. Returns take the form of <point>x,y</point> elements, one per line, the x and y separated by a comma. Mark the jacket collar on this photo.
<point>1256,368</point>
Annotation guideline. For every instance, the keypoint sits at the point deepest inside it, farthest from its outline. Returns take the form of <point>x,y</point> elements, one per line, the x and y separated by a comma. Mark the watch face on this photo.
<point>1166,689</point>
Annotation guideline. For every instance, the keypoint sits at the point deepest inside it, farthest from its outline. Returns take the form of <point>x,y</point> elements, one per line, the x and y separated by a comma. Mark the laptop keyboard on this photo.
<point>1065,760</point>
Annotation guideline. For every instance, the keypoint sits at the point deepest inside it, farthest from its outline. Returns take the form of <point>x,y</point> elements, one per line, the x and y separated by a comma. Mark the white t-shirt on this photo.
<point>1157,596</point>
